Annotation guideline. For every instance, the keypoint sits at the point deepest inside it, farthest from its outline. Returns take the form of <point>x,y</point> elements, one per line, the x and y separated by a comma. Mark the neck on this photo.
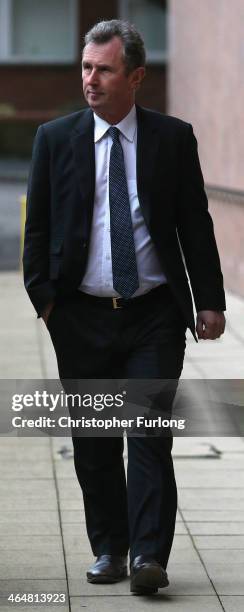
<point>114,118</point>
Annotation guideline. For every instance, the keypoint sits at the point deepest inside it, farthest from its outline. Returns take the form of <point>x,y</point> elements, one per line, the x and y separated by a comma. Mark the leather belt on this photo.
<point>117,303</point>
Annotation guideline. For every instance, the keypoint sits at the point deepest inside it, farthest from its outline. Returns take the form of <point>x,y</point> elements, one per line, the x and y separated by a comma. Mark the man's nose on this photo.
<point>93,76</point>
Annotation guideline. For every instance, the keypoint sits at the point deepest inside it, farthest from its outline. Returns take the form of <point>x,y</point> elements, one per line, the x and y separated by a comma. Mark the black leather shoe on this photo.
<point>108,569</point>
<point>147,575</point>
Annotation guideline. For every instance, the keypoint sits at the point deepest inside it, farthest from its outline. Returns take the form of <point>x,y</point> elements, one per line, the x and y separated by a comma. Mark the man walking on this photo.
<point>116,214</point>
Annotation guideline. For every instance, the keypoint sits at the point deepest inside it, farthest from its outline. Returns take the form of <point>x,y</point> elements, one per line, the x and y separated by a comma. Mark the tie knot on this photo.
<point>114,133</point>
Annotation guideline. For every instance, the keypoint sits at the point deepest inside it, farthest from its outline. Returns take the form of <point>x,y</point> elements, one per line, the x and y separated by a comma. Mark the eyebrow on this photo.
<point>87,63</point>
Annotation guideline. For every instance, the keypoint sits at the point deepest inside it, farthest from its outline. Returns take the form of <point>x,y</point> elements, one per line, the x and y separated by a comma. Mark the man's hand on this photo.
<point>47,311</point>
<point>210,324</point>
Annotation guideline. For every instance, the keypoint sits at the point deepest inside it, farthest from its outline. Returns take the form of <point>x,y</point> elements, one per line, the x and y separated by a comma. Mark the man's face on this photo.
<point>107,89</point>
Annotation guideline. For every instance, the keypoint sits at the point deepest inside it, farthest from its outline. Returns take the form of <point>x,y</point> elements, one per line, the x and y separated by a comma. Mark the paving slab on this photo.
<point>69,489</point>
<point>15,446</point>
<point>191,478</point>
<point>76,543</point>
<point>213,528</point>
<point>64,469</point>
<point>34,504</point>
<point>30,488</point>
<point>22,543</point>
<point>232,604</point>
<point>190,371</point>
<point>210,499</point>
<point>159,602</point>
<point>17,527</point>
<point>184,555</point>
<point>80,587</point>
<point>22,452</point>
<point>73,516</point>
<point>26,469</point>
<point>192,448</point>
<point>228,444</point>
<point>31,586</point>
<point>182,542</point>
<point>188,579</point>
<point>218,464</point>
<point>226,542</point>
<point>40,564</point>
<point>213,515</point>
<point>30,518</point>
<point>215,556</point>
<point>63,441</point>
<point>70,504</point>
<point>227,580</point>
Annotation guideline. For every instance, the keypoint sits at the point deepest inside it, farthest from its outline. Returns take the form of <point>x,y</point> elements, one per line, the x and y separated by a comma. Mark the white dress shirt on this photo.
<point>98,278</point>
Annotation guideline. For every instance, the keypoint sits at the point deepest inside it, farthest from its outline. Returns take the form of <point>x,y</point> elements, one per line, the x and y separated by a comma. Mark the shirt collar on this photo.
<point>127,126</point>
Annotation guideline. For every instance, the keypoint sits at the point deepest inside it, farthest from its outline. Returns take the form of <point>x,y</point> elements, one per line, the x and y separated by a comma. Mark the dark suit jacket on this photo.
<point>171,195</point>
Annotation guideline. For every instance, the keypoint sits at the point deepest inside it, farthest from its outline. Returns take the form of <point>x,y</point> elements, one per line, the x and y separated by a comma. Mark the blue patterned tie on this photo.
<point>125,276</point>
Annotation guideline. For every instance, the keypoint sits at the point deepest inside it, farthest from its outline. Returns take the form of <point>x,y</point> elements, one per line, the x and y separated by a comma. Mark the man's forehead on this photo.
<point>110,50</point>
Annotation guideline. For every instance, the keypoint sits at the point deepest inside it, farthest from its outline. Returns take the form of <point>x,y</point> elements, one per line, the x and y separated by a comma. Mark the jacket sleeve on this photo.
<point>37,228</point>
<point>196,233</point>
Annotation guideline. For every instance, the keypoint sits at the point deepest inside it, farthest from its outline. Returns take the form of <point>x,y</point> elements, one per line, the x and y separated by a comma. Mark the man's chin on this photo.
<point>93,103</point>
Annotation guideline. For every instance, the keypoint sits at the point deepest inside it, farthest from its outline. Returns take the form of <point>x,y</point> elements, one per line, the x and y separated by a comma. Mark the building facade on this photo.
<point>206,87</point>
<point>40,55</point>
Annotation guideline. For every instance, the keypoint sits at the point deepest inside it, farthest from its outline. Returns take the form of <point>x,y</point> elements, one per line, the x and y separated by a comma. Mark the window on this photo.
<point>38,31</point>
<point>150,17</point>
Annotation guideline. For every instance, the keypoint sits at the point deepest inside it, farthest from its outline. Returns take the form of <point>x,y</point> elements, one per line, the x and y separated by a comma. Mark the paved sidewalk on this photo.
<point>43,543</point>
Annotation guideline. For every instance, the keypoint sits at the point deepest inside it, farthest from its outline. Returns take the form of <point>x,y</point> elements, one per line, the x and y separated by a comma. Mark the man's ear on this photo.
<point>137,77</point>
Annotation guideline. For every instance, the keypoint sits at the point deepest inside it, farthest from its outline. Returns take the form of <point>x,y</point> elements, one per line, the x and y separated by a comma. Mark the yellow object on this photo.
<point>22,225</point>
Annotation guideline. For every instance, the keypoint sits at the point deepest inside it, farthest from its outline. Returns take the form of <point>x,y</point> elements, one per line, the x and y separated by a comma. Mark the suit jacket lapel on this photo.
<point>82,140</point>
<point>147,145</point>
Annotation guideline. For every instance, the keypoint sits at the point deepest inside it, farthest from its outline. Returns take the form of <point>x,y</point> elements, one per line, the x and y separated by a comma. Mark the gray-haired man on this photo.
<point>113,191</point>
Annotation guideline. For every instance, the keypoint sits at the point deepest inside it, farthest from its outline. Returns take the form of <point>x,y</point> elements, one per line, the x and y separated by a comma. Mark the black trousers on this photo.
<point>142,341</point>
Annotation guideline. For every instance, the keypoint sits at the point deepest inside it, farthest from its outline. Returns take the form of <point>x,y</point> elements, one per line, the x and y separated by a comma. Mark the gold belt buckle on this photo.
<point>115,303</point>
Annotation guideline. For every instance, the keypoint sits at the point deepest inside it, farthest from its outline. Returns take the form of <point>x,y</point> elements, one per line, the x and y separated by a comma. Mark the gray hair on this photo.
<point>134,50</point>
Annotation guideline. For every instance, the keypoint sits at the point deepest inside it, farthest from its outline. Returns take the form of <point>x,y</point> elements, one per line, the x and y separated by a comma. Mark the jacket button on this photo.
<point>84,244</point>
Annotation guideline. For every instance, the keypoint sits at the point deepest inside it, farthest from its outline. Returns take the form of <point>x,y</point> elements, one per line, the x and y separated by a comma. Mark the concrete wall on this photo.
<point>206,87</point>
<point>206,82</point>
<point>228,218</point>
